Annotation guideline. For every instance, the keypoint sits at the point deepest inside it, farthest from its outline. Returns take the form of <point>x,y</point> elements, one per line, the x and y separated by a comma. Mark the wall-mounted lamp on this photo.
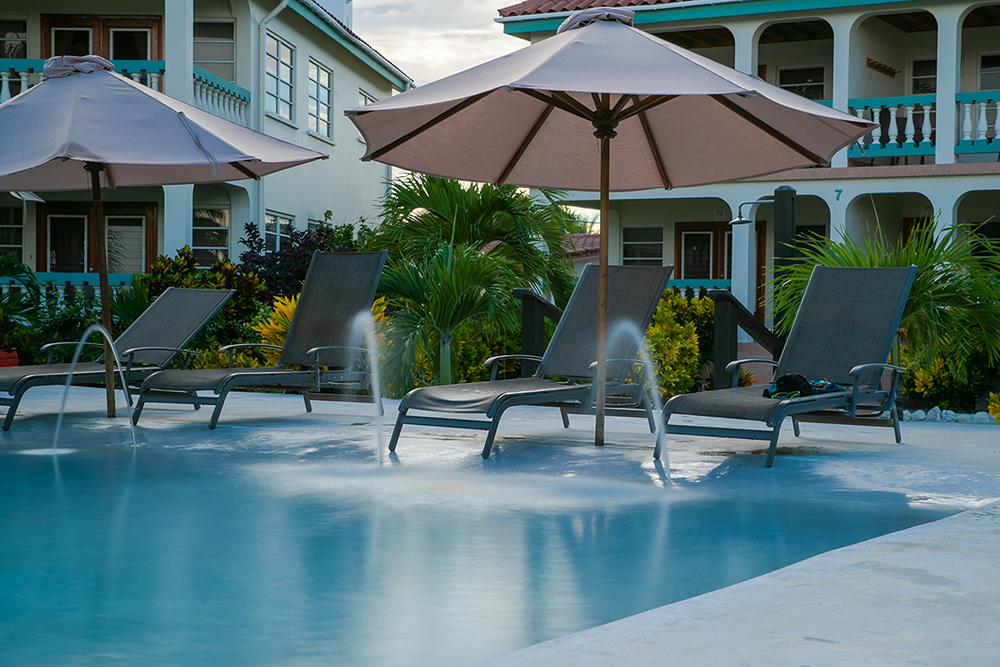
<point>740,219</point>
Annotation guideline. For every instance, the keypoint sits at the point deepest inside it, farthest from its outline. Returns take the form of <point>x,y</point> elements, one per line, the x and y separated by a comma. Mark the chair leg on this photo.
<point>649,412</point>
<point>396,430</point>
<point>305,399</point>
<point>774,445</point>
<point>490,435</point>
<point>565,417</point>
<point>894,418</point>
<point>194,394</point>
<point>137,410</point>
<point>11,409</point>
<point>218,408</point>
<point>795,426</point>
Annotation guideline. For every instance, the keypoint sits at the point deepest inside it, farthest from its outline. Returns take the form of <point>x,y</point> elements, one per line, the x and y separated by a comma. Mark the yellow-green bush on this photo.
<point>994,408</point>
<point>680,339</point>
<point>935,384</point>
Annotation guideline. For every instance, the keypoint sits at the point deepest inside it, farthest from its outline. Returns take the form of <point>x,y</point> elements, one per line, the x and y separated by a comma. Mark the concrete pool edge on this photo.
<point>927,595</point>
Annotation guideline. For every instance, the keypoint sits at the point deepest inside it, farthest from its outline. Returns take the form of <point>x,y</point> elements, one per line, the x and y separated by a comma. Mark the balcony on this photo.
<point>977,119</point>
<point>905,126</point>
<point>19,74</point>
<point>220,97</point>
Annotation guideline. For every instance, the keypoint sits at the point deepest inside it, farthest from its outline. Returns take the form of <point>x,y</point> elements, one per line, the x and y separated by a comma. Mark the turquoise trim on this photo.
<point>891,150</point>
<point>21,64</point>
<point>215,81</point>
<point>677,12</point>
<point>135,66</point>
<point>698,284</point>
<point>892,102</point>
<point>826,103</point>
<point>978,147</point>
<point>78,279</point>
<point>351,45</point>
<point>961,98</point>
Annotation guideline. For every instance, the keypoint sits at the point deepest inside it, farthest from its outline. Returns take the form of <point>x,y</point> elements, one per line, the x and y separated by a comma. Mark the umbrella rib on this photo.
<point>524,144</point>
<point>556,102</point>
<point>445,115</point>
<point>622,101</point>
<point>657,158</point>
<point>767,129</point>
<point>643,106</point>
<point>243,170</point>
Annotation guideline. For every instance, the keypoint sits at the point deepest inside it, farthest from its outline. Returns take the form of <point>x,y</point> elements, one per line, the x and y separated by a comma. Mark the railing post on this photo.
<point>725,343</point>
<point>784,230</point>
<point>532,335</point>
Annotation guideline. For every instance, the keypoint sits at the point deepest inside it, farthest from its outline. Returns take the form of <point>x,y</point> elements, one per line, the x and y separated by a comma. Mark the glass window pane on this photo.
<point>214,51</point>
<point>990,62</point>
<point>221,31</point>
<point>13,39</point>
<point>210,238</point>
<point>71,41</point>
<point>206,257</point>
<point>654,234</point>
<point>696,256</point>
<point>211,217</point>
<point>989,81</point>
<point>11,236</point>
<point>924,67</point>
<point>10,215</point>
<point>129,45</point>
<point>225,71</point>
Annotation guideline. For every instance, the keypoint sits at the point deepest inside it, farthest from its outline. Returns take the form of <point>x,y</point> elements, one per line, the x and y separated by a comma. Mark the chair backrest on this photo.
<point>171,321</point>
<point>338,286</point>
<point>848,317</point>
<point>633,294</point>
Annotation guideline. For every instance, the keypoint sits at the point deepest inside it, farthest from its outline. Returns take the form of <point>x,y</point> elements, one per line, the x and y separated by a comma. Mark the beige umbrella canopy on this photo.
<point>86,127</point>
<point>602,106</point>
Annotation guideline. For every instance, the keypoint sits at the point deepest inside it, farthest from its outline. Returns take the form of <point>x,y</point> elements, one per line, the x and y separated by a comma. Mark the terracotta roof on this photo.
<point>583,245</point>
<point>529,7</point>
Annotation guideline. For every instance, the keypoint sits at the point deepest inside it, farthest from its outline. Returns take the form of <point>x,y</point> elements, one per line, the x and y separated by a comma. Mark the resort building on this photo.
<point>917,68</point>
<point>288,69</point>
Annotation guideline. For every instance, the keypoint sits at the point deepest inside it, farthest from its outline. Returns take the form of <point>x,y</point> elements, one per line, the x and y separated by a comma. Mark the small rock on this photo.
<point>934,414</point>
<point>918,415</point>
<point>948,415</point>
<point>984,418</point>
<point>963,418</point>
<point>906,415</point>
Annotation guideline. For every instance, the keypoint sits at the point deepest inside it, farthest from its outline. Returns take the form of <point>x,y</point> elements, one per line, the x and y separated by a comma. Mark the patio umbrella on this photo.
<point>84,126</point>
<point>674,118</point>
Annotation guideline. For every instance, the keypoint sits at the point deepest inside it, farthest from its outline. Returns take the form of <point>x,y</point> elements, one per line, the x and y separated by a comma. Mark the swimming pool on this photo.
<point>158,557</point>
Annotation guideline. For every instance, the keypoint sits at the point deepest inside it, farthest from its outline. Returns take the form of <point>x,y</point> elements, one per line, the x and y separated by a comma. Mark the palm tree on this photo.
<point>420,212</point>
<point>954,303</point>
<point>436,295</point>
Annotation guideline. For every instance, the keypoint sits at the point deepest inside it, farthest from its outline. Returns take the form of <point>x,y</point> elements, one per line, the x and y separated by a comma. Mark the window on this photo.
<point>320,85</point>
<point>989,72</point>
<point>12,231</point>
<point>642,246</point>
<point>924,79</point>
<point>72,41</point>
<point>67,242</point>
<point>13,39</point>
<point>805,81</point>
<point>365,98</point>
<point>129,44</point>
<point>210,235</point>
<point>215,48</point>
<point>280,64</point>
<point>126,243</point>
<point>277,231</point>
<point>696,255</point>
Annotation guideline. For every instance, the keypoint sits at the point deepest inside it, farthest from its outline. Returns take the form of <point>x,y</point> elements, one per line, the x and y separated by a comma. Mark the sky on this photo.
<point>430,39</point>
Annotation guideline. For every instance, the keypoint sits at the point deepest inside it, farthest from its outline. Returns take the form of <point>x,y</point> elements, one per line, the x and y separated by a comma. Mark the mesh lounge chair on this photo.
<point>842,333</point>
<point>633,293</point>
<point>152,342</point>
<point>322,338</point>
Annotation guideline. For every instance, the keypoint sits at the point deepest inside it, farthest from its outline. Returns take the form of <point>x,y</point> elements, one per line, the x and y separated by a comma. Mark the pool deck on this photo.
<point>929,595</point>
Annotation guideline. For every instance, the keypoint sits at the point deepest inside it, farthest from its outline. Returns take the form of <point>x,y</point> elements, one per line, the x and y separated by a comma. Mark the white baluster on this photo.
<point>229,107</point>
<point>4,86</point>
<point>196,86</point>
<point>24,81</point>
<point>243,113</point>
<point>154,80</point>
<point>877,131</point>
<point>996,120</point>
<point>967,122</point>
<point>136,76</point>
<point>910,127</point>
<point>981,130</point>
<point>202,96</point>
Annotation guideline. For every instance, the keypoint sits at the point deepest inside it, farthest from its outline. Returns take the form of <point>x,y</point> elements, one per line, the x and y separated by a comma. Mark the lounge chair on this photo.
<point>633,293</point>
<point>154,340</point>
<point>322,338</point>
<point>842,333</point>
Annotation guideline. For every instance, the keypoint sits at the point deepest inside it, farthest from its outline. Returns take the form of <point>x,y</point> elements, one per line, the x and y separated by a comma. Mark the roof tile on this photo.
<point>529,7</point>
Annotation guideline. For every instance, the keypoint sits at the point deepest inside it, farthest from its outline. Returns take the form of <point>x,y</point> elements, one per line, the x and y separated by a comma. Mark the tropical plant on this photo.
<point>954,304</point>
<point>284,270</point>
<point>274,329</point>
<point>419,213</point>
<point>433,297</point>
<point>128,304</point>
<point>18,307</point>
<point>994,407</point>
<point>680,339</point>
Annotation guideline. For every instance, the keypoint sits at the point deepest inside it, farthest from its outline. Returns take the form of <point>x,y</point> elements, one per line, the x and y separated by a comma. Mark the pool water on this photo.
<point>156,557</point>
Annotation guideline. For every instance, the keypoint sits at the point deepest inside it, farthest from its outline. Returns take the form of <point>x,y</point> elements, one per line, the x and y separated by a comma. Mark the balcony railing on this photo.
<point>977,118</point>
<point>19,74</point>
<point>905,125</point>
<point>220,97</point>
<point>68,286</point>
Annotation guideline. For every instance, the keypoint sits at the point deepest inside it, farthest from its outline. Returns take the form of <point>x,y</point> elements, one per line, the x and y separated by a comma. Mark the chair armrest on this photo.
<point>130,353</point>
<point>51,347</point>
<point>492,362</point>
<point>647,366</point>
<point>323,348</point>
<point>738,364</point>
<point>856,390</point>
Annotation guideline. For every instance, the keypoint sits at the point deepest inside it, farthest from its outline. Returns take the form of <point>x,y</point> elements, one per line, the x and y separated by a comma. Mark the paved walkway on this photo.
<point>929,595</point>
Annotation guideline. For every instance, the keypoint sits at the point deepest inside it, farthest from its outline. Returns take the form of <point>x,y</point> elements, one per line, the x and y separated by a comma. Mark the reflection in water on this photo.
<point>168,558</point>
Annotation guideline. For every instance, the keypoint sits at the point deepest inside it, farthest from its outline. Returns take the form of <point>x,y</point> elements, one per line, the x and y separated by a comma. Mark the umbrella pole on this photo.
<point>100,249</point>
<point>601,374</point>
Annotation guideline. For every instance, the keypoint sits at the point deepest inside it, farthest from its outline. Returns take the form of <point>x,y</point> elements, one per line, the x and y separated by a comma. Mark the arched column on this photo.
<point>949,44</point>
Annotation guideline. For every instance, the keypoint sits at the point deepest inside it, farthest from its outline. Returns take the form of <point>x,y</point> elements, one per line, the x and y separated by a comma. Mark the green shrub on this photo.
<point>57,321</point>
<point>936,384</point>
<point>681,340</point>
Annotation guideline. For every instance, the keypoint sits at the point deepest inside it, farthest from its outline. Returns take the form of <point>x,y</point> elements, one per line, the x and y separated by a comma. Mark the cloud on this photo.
<point>431,39</point>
